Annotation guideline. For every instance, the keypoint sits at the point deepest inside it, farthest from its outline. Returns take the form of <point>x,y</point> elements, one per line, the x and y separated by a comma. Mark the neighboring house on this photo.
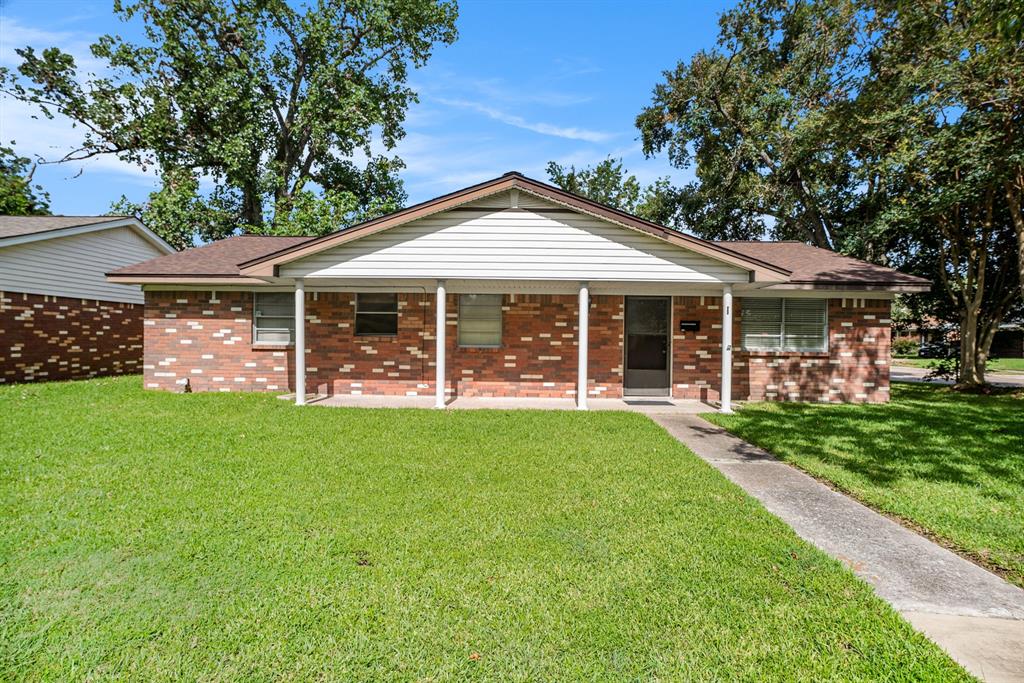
<point>59,316</point>
<point>516,288</point>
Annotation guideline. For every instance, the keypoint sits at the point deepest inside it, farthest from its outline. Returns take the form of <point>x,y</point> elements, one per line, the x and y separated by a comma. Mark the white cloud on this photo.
<point>567,132</point>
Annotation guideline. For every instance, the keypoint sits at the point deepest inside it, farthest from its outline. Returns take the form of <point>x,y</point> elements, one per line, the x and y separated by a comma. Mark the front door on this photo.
<point>647,345</point>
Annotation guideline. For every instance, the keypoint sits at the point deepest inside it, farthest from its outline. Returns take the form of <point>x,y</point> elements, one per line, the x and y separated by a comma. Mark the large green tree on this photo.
<point>18,196</point>
<point>886,129</point>
<point>609,183</point>
<point>274,105</point>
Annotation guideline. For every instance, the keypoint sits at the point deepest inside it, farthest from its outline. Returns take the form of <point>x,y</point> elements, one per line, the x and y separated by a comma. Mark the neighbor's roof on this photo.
<point>21,229</point>
<point>15,226</point>
<point>217,259</point>
<point>821,267</point>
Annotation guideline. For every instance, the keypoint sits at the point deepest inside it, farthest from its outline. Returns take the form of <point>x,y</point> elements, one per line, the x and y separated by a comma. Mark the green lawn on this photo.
<point>152,536</point>
<point>994,365</point>
<point>951,463</point>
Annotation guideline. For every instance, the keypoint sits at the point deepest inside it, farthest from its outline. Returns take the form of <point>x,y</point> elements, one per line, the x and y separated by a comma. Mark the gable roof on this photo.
<point>22,229</point>
<point>810,265</point>
<point>266,266</point>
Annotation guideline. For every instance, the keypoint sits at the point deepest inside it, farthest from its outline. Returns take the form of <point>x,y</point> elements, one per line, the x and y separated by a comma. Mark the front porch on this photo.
<point>538,342</point>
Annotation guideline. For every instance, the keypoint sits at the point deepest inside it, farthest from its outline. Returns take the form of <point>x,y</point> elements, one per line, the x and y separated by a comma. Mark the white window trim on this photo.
<point>501,324</point>
<point>256,326</point>
<point>355,318</point>
<point>782,331</point>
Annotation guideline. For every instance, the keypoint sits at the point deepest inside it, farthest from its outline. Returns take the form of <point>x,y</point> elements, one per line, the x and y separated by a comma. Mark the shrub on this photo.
<point>904,347</point>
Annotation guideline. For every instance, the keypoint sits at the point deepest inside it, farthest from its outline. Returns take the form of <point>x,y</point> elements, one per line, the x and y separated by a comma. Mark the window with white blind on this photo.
<point>480,320</point>
<point>783,324</point>
<point>273,319</point>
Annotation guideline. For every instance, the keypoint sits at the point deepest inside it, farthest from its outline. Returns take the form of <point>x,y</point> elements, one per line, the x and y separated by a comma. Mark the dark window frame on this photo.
<point>375,314</point>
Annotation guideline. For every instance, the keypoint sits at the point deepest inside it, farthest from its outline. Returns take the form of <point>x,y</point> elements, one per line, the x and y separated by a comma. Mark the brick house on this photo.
<point>516,288</point>
<point>59,316</point>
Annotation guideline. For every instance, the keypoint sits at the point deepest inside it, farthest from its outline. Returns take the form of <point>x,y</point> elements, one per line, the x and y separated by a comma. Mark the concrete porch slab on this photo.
<point>648,406</point>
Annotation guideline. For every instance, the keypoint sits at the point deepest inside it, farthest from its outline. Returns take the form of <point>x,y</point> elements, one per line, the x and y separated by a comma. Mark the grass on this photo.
<point>949,463</point>
<point>994,365</point>
<point>149,536</point>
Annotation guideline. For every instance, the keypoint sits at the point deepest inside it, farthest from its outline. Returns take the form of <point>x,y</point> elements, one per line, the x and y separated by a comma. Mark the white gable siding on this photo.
<point>74,266</point>
<point>511,244</point>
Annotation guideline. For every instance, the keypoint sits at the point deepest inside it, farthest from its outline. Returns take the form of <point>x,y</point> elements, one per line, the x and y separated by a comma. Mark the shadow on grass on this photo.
<point>928,433</point>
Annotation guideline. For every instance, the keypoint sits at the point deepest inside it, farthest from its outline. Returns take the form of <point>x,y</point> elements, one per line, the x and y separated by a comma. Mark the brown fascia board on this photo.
<point>221,279</point>
<point>266,266</point>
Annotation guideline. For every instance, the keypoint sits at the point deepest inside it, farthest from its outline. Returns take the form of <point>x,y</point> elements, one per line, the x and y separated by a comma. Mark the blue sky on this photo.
<point>526,83</point>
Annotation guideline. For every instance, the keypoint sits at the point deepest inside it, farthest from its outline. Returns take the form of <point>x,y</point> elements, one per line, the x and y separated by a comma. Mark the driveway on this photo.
<point>905,373</point>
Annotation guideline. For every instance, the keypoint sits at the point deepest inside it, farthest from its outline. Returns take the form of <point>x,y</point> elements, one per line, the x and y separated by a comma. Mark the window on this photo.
<point>480,320</point>
<point>377,315</point>
<point>783,324</point>
<point>273,320</point>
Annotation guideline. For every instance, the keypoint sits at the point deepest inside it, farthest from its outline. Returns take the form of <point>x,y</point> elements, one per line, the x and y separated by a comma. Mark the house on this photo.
<point>513,287</point>
<point>59,316</point>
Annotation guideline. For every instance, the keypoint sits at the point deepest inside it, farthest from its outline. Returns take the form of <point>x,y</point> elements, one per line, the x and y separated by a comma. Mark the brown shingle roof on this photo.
<point>811,265</point>
<point>217,259</point>
<point>16,226</point>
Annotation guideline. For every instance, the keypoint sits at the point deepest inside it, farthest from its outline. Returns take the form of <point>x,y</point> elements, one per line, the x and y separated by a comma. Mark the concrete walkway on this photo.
<point>975,615</point>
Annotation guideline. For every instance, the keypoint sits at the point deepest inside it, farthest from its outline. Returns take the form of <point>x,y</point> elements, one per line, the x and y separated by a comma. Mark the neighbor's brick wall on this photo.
<point>56,338</point>
<point>855,367</point>
<point>209,341</point>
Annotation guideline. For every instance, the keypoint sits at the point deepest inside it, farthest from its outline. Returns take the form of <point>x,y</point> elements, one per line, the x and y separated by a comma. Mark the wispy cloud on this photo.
<point>567,132</point>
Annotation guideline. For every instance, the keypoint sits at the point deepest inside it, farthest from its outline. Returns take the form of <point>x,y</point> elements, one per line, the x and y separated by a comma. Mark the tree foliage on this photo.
<point>609,183</point>
<point>18,196</point>
<point>276,106</point>
<point>886,129</point>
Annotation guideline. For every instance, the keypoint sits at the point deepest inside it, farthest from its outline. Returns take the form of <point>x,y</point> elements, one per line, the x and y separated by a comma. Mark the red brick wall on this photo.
<point>854,368</point>
<point>55,338</point>
<point>206,339</point>
<point>209,342</point>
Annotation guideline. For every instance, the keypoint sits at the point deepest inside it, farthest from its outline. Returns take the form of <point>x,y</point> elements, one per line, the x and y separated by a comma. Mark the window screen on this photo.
<point>376,314</point>
<point>783,324</point>
<point>480,319</point>
<point>274,317</point>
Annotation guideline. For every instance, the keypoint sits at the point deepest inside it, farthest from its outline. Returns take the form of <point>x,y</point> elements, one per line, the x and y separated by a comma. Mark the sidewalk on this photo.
<point>973,614</point>
<point>906,373</point>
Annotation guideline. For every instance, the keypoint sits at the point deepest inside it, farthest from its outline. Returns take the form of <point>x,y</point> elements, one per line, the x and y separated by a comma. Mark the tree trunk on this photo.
<point>971,375</point>
<point>1018,226</point>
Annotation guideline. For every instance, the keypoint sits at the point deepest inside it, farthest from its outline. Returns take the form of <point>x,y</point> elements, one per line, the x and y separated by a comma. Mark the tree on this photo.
<point>885,129</point>
<point>18,196</point>
<point>271,103</point>
<point>944,107</point>
<point>608,183</point>
<point>762,119</point>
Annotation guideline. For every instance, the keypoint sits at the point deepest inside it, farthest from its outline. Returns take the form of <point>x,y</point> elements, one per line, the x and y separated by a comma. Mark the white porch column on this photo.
<point>584,324</point>
<point>726,390</point>
<point>300,342</point>
<point>439,379</point>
